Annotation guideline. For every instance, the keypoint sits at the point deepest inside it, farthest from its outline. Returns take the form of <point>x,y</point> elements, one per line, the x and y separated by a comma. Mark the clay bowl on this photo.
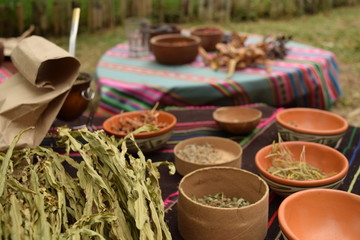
<point>175,49</point>
<point>78,98</point>
<point>320,214</point>
<point>311,125</point>
<point>164,28</point>
<point>323,157</point>
<point>197,221</point>
<point>237,120</point>
<point>209,36</point>
<point>147,141</point>
<point>201,152</point>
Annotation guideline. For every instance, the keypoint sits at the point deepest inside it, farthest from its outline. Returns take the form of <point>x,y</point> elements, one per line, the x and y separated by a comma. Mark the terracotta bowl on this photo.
<point>147,141</point>
<point>198,221</point>
<point>228,153</point>
<point>323,157</point>
<point>175,49</point>
<point>237,120</point>
<point>311,125</point>
<point>320,214</point>
<point>209,36</point>
<point>78,98</point>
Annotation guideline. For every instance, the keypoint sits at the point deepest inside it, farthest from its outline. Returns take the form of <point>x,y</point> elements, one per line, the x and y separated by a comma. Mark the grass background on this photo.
<point>337,30</point>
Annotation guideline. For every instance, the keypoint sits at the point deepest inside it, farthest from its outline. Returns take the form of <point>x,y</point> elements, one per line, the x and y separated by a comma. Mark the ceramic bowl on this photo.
<point>198,221</point>
<point>175,49</point>
<point>237,120</point>
<point>147,141</point>
<point>206,152</point>
<point>210,36</point>
<point>320,214</point>
<point>311,125</point>
<point>323,157</point>
<point>78,98</point>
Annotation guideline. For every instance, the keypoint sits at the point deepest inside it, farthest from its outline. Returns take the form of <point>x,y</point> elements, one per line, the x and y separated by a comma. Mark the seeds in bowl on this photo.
<point>222,201</point>
<point>203,154</point>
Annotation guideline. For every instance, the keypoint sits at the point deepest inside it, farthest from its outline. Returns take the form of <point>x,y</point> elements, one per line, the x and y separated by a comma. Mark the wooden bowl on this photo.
<point>312,125</point>
<point>237,120</point>
<point>323,157</point>
<point>320,214</point>
<point>197,221</point>
<point>147,141</point>
<point>210,36</point>
<point>228,152</point>
<point>175,49</point>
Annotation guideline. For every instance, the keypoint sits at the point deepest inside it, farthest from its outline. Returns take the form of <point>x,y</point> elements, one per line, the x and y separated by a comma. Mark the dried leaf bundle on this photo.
<point>113,196</point>
<point>236,55</point>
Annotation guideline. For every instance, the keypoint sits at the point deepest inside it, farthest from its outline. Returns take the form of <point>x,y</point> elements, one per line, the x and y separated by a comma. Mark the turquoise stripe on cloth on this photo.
<point>307,77</point>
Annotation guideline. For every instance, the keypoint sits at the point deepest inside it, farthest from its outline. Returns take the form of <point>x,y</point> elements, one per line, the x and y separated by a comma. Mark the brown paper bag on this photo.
<point>34,96</point>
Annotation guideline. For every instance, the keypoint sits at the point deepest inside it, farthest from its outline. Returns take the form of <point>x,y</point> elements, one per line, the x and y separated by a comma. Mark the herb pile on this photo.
<point>114,195</point>
<point>150,117</point>
<point>222,201</point>
<point>285,166</point>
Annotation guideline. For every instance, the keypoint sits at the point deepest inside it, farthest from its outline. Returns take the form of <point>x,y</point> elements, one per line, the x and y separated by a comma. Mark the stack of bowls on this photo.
<point>311,125</point>
<point>325,158</point>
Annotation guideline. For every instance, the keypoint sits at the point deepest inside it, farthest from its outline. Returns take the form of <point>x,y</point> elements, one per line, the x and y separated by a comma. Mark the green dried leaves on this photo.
<point>115,195</point>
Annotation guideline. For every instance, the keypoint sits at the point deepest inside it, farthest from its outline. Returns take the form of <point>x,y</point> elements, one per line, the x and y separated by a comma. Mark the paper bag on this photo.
<point>34,96</point>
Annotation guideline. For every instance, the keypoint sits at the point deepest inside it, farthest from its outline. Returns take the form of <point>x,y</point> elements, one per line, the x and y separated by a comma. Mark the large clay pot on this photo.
<point>78,99</point>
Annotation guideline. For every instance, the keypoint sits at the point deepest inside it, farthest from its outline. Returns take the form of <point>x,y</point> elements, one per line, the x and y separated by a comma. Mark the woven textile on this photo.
<point>197,121</point>
<point>307,77</point>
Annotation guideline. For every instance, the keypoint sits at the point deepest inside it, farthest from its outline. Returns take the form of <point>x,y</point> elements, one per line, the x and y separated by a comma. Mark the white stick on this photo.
<point>74,30</point>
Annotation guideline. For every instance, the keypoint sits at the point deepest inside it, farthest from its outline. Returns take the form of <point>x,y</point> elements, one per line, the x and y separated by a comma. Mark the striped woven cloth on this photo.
<point>307,77</point>
<point>6,70</point>
<point>197,121</point>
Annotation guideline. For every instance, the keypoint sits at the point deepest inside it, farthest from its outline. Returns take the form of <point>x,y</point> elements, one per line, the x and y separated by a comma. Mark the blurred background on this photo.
<point>328,24</point>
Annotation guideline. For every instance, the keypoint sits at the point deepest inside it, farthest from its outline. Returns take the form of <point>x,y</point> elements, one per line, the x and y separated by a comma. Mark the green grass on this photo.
<point>336,30</point>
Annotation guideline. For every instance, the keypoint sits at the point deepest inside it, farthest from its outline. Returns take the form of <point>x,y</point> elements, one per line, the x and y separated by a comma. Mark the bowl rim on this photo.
<point>198,31</point>
<point>305,193</point>
<point>141,135</point>
<point>340,130</point>
<point>154,40</point>
<point>266,194</point>
<point>254,110</point>
<point>204,165</point>
<point>299,183</point>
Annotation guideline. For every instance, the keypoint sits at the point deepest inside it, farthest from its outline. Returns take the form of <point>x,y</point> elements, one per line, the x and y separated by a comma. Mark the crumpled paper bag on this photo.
<point>34,95</point>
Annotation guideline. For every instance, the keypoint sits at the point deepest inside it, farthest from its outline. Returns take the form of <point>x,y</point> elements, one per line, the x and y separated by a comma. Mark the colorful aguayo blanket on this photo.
<point>308,76</point>
<point>197,121</point>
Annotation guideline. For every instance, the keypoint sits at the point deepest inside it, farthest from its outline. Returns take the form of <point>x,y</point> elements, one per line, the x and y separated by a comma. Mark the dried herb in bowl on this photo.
<point>285,166</point>
<point>128,125</point>
<point>222,201</point>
